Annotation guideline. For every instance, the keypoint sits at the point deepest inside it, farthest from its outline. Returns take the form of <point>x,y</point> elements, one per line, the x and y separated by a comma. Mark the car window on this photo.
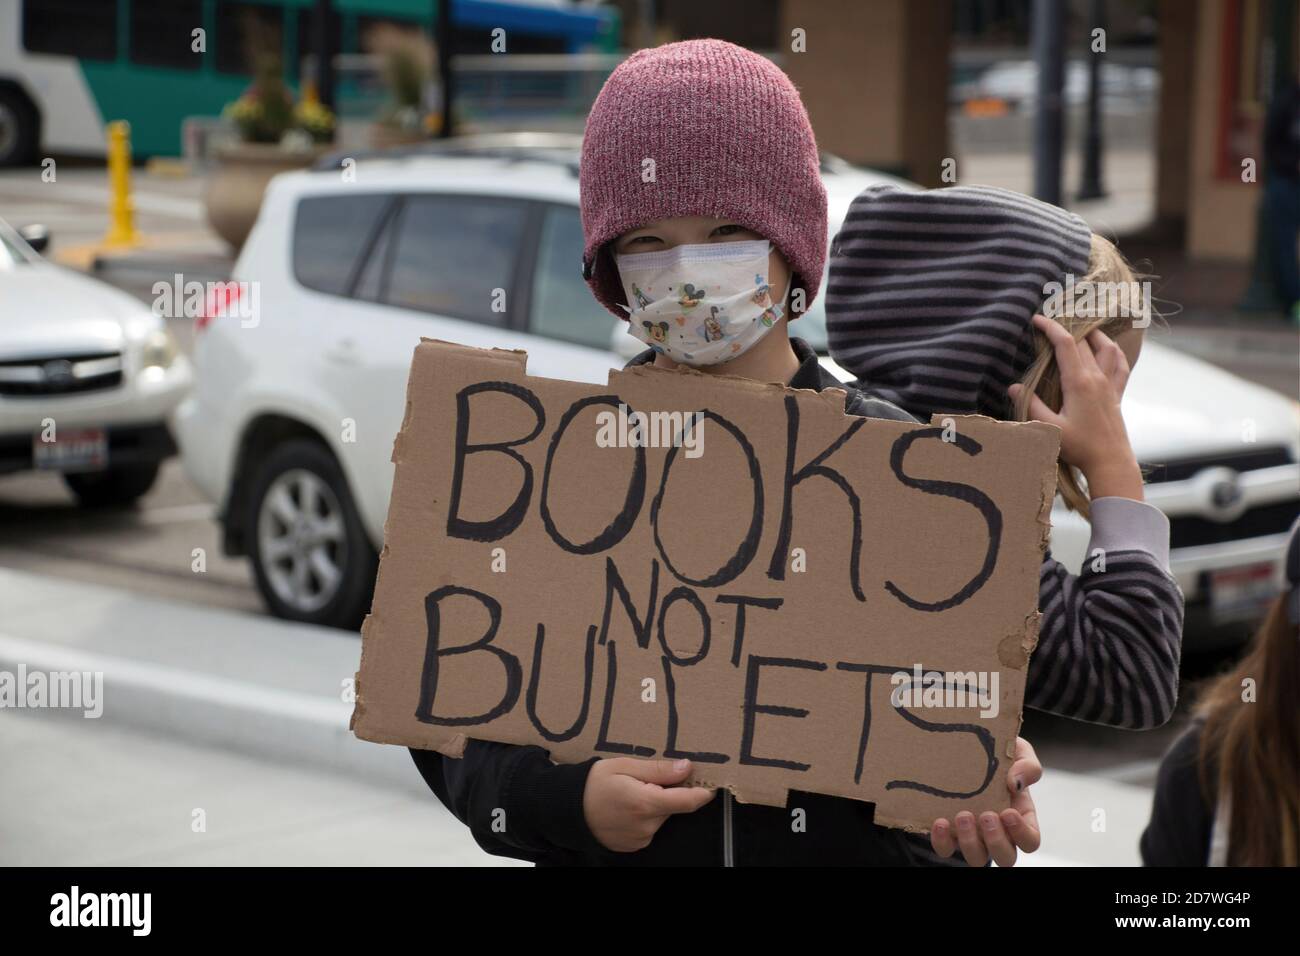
<point>370,281</point>
<point>329,233</point>
<point>456,256</point>
<point>562,306</point>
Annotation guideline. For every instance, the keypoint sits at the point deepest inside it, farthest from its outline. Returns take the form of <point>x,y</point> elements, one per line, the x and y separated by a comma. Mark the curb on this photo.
<point>253,720</point>
<point>189,689</point>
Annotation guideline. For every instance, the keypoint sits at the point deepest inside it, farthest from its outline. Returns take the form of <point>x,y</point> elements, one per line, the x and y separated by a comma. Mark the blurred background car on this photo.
<point>88,377</point>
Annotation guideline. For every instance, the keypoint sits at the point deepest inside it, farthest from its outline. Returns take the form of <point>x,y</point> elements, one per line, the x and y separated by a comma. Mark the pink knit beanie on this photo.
<point>728,136</point>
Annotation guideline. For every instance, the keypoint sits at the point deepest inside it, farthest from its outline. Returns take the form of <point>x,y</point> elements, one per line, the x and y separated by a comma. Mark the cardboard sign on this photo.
<point>678,564</point>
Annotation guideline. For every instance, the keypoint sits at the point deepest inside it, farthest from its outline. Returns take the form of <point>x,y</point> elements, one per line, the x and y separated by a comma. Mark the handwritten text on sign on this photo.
<point>749,607</point>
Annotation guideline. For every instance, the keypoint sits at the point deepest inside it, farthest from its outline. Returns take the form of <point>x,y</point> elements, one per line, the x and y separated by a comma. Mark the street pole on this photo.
<point>1090,187</point>
<point>444,66</point>
<point>1261,293</point>
<point>1047,39</point>
<point>645,10</point>
<point>323,44</point>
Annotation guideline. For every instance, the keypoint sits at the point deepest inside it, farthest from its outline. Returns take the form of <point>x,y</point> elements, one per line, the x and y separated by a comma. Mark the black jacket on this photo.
<point>542,801</point>
<point>1182,817</point>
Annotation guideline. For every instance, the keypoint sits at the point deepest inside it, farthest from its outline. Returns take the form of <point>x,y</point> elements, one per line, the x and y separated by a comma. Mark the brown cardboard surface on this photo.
<point>751,611</point>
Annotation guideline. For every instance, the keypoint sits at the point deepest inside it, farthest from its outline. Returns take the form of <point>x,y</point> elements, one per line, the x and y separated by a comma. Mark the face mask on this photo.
<point>700,304</point>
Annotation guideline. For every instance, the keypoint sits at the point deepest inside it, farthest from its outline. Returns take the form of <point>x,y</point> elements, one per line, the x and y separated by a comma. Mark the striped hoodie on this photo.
<point>929,303</point>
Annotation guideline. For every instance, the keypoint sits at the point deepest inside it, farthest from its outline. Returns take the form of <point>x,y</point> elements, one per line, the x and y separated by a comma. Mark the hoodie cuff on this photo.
<point>1122,524</point>
<point>544,804</point>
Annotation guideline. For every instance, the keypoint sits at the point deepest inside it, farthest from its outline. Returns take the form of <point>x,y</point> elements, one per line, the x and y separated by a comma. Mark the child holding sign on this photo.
<point>932,303</point>
<point>702,198</point>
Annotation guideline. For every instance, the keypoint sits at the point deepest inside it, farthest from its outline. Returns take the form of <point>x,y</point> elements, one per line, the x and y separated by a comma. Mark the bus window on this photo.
<point>161,33</point>
<point>242,30</point>
<point>46,28</point>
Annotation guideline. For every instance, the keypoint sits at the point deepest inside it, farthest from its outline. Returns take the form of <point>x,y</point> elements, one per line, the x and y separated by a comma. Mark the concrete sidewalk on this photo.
<point>252,684</point>
<point>96,794</point>
<point>251,709</point>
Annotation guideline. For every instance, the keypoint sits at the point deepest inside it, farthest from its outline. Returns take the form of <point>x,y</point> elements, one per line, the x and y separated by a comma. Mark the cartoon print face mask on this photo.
<point>700,304</point>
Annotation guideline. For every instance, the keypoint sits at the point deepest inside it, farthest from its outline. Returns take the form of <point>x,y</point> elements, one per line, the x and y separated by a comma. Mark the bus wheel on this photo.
<point>17,129</point>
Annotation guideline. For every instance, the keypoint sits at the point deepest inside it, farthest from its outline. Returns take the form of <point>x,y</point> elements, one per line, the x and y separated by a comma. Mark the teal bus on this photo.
<point>67,67</point>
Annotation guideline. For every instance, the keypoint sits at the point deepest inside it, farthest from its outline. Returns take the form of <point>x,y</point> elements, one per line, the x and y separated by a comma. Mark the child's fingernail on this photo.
<point>1013,823</point>
<point>990,821</point>
<point>681,765</point>
<point>965,821</point>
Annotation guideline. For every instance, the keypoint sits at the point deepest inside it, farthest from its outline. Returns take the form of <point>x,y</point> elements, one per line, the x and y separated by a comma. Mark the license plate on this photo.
<point>81,449</point>
<point>1241,593</point>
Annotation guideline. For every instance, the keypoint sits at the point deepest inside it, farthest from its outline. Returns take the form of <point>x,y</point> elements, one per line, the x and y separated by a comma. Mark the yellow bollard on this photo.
<point>121,212</point>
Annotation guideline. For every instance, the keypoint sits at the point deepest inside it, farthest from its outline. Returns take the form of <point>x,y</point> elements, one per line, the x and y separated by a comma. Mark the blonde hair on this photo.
<point>1109,270</point>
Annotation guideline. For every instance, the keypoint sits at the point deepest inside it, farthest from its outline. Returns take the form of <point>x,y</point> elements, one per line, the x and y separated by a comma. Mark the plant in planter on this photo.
<point>315,119</point>
<point>265,112</point>
<point>408,64</point>
<point>274,136</point>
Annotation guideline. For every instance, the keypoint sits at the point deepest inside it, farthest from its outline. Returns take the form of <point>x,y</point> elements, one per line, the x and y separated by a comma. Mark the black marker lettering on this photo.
<point>985,737</point>
<point>736,565</point>
<point>614,585</point>
<point>741,603</point>
<point>776,568</point>
<point>949,489</point>
<point>622,523</point>
<point>670,687</point>
<point>530,700</point>
<point>753,708</point>
<point>691,598</point>
<point>602,740</point>
<point>433,652</point>
<point>503,524</point>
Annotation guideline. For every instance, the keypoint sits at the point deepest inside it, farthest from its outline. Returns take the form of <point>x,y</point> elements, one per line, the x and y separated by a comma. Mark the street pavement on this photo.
<point>93,793</point>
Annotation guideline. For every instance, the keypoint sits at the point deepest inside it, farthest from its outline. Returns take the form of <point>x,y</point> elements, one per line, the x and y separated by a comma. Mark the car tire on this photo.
<point>114,488</point>
<point>18,129</point>
<point>312,559</point>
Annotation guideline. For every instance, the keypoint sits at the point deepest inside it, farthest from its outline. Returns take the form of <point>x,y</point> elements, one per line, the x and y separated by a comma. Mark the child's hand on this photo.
<point>627,800</point>
<point>1093,438</point>
<point>997,835</point>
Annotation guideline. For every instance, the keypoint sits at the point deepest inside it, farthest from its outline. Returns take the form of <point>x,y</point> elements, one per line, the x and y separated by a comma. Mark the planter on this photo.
<point>234,192</point>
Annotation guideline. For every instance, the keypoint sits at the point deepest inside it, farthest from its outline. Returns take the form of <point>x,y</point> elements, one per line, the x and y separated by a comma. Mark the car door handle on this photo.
<point>343,352</point>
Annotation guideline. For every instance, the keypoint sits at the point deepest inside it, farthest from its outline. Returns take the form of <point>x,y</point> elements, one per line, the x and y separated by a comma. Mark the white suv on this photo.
<point>291,425</point>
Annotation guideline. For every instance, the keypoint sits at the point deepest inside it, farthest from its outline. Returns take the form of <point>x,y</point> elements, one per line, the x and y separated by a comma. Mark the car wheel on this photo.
<point>114,488</point>
<point>311,557</point>
<point>17,130</point>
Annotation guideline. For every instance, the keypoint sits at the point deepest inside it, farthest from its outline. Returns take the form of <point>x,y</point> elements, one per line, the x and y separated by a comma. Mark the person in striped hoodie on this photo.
<point>934,303</point>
